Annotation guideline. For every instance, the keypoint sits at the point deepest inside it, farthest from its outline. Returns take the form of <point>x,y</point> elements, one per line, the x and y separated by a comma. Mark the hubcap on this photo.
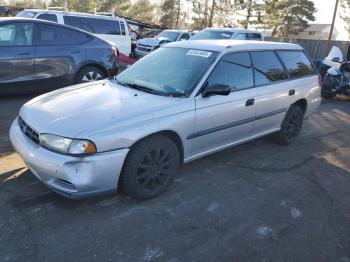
<point>91,76</point>
<point>154,169</point>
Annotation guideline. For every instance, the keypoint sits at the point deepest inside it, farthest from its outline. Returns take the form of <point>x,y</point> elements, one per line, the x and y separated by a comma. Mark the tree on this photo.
<point>210,12</point>
<point>170,10</point>
<point>121,7</point>
<point>78,5</point>
<point>345,5</point>
<point>288,16</point>
<point>143,10</point>
<point>26,4</point>
<point>250,10</point>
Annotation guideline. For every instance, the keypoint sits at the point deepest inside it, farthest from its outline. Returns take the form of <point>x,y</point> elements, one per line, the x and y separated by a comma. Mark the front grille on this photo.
<point>144,48</point>
<point>29,132</point>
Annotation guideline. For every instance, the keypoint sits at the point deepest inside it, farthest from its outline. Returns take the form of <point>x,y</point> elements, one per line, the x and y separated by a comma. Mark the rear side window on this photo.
<point>267,68</point>
<point>297,64</point>
<point>55,35</point>
<point>94,25</point>
<point>48,17</point>
<point>234,70</point>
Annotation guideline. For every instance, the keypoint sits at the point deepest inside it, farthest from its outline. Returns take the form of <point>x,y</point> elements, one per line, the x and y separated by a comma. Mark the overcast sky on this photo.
<point>324,16</point>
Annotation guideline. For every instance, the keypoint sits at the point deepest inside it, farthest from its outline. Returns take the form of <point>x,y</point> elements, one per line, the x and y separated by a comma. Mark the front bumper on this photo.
<point>141,53</point>
<point>73,177</point>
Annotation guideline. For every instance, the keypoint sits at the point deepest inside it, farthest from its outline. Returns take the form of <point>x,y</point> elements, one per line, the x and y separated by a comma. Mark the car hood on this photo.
<point>91,108</point>
<point>152,41</point>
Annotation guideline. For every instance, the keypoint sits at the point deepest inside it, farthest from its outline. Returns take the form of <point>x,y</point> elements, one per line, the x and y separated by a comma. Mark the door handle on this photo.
<point>25,53</point>
<point>291,92</point>
<point>75,52</point>
<point>250,102</point>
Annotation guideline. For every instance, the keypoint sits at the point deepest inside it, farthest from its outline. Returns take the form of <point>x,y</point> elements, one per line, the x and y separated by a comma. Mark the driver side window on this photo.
<point>233,70</point>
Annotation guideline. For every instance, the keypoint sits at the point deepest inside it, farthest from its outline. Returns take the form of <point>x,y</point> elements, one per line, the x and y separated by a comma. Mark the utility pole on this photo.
<point>332,27</point>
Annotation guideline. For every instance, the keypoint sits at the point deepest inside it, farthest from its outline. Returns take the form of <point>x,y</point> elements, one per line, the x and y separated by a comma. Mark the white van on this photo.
<point>112,29</point>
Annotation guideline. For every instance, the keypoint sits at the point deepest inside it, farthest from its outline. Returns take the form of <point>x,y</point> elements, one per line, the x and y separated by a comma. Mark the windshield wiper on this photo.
<point>147,89</point>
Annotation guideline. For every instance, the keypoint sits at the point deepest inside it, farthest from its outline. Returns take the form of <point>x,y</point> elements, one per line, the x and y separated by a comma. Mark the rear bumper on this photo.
<point>73,177</point>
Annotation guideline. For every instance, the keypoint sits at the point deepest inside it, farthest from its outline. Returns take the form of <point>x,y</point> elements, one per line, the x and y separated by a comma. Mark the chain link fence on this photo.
<point>315,48</point>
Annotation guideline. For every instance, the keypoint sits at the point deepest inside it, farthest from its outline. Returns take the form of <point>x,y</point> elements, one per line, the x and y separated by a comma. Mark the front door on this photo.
<point>224,120</point>
<point>16,57</point>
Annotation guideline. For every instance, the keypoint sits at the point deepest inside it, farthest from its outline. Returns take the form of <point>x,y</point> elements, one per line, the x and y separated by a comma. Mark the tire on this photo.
<point>291,126</point>
<point>89,74</point>
<point>150,167</point>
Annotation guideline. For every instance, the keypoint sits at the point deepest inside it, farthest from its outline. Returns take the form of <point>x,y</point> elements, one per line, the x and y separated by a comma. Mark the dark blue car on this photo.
<point>38,56</point>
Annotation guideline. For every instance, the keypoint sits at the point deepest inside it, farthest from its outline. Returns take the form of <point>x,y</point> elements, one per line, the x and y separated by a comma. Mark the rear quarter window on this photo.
<point>94,25</point>
<point>267,68</point>
<point>253,36</point>
<point>297,63</point>
<point>103,26</point>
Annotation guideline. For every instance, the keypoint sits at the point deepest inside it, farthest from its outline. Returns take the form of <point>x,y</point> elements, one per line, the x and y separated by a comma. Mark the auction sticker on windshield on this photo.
<point>201,53</point>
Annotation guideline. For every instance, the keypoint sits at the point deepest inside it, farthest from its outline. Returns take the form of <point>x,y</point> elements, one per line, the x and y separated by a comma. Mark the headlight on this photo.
<point>67,145</point>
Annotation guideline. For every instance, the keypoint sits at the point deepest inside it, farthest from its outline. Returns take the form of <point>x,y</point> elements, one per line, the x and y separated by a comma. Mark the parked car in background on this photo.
<point>147,45</point>
<point>181,102</point>
<point>228,33</point>
<point>112,29</point>
<point>37,56</point>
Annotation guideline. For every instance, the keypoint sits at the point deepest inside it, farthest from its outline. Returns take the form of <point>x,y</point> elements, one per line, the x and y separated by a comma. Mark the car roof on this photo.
<point>176,30</point>
<point>235,30</point>
<point>73,13</point>
<point>33,20</point>
<point>224,46</point>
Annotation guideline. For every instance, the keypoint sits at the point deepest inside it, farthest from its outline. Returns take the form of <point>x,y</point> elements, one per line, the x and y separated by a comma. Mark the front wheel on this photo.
<point>291,126</point>
<point>90,74</point>
<point>150,167</point>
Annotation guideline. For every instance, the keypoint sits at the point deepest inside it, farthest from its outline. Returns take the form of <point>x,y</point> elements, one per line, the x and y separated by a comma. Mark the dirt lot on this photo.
<point>255,202</point>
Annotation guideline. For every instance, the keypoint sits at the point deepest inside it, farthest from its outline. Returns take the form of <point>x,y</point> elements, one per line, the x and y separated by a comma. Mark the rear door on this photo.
<point>17,55</point>
<point>59,53</point>
<point>272,91</point>
<point>224,120</point>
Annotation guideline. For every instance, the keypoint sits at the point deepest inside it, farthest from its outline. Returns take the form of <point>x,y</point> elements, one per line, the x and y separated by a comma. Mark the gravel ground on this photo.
<point>254,202</point>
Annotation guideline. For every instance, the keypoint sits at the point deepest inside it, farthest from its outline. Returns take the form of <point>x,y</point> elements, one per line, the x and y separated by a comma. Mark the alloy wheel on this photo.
<point>154,169</point>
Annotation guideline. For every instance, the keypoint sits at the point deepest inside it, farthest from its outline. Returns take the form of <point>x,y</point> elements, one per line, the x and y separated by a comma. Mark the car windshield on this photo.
<point>168,71</point>
<point>26,14</point>
<point>212,34</point>
<point>171,36</point>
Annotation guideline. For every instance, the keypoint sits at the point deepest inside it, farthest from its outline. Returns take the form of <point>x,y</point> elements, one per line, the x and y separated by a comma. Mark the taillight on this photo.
<point>320,80</point>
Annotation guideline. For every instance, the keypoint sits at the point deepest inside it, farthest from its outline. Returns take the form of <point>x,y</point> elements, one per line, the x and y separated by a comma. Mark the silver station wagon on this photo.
<point>182,102</point>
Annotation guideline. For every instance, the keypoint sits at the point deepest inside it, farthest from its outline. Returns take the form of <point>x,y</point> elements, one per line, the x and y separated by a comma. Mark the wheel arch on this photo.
<point>172,135</point>
<point>302,103</point>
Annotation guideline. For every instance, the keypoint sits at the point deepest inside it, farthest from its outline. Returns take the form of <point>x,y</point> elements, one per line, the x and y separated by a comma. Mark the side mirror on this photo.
<point>336,59</point>
<point>216,89</point>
